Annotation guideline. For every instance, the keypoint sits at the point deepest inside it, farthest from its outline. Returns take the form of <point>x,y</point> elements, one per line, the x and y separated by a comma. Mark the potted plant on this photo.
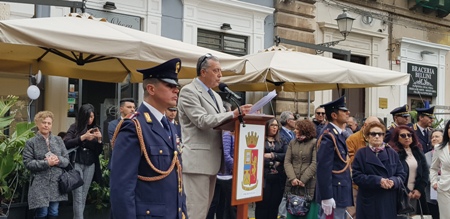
<point>11,147</point>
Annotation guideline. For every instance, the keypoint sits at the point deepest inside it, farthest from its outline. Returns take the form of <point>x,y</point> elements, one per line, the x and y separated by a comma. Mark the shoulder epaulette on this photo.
<point>131,115</point>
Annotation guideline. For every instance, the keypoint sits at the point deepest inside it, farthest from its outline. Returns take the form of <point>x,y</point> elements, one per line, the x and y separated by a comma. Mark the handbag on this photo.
<point>69,180</point>
<point>421,216</point>
<point>403,204</point>
<point>298,205</point>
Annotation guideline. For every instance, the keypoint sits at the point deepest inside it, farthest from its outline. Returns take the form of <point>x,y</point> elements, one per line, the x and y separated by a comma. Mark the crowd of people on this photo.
<point>163,168</point>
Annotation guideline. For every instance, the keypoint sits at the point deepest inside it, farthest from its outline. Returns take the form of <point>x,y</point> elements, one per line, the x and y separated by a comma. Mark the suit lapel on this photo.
<point>206,96</point>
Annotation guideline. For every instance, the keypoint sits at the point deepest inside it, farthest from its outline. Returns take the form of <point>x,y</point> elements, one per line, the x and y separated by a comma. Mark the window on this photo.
<point>227,43</point>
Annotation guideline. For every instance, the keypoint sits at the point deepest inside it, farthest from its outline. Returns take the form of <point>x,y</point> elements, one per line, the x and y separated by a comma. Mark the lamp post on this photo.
<point>345,23</point>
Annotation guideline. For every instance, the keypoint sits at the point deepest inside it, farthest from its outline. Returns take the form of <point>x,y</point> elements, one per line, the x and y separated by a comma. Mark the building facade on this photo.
<point>197,22</point>
<point>408,36</point>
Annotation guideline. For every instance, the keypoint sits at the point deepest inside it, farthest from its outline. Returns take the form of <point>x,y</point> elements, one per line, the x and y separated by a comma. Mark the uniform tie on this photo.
<point>165,123</point>
<point>210,92</point>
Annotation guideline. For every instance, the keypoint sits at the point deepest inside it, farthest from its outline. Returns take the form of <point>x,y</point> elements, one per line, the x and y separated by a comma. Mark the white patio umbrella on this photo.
<point>295,71</point>
<point>94,50</point>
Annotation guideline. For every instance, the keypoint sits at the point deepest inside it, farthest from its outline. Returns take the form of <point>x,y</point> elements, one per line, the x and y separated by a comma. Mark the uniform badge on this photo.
<point>147,117</point>
<point>335,132</point>
<point>177,67</point>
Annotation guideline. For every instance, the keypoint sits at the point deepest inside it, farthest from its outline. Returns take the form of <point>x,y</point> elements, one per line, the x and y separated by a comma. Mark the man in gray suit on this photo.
<point>200,110</point>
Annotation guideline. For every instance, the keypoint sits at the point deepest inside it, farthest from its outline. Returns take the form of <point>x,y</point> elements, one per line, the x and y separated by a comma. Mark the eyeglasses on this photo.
<point>409,135</point>
<point>273,125</point>
<point>320,113</point>
<point>374,134</point>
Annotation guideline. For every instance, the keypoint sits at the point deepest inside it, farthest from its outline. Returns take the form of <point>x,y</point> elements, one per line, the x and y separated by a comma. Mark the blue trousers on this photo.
<point>51,210</point>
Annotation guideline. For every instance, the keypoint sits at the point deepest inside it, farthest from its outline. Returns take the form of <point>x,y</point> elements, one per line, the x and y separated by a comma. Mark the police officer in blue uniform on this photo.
<point>146,179</point>
<point>423,126</point>
<point>172,111</point>
<point>400,116</point>
<point>334,183</point>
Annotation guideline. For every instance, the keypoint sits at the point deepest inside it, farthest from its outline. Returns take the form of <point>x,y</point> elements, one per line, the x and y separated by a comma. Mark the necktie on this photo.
<point>210,92</point>
<point>165,123</point>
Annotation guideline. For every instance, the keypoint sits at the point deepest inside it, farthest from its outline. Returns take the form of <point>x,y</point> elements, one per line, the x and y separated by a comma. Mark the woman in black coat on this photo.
<point>87,138</point>
<point>405,142</point>
<point>377,171</point>
<point>274,174</point>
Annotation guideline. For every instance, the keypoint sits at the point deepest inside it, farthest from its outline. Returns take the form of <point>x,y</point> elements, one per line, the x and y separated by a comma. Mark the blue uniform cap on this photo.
<point>167,71</point>
<point>401,111</point>
<point>173,108</point>
<point>426,111</point>
<point>335,104</point>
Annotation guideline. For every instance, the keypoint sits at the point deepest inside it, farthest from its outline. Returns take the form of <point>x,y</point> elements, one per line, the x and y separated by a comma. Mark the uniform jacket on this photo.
<point>425,141</point>
<point>374,202</point>
<point>132,197</point>
<point>441,161</point>
<point>422,179</point>
<point>112,127</point>
<point>44,184</point>
<point>198,115</point>
<point>300,163</point>
<point>330,185</point>
<point>389,132</point>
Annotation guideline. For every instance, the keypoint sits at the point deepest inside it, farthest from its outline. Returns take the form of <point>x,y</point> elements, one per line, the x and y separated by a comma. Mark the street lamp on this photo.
<point>344,22</point>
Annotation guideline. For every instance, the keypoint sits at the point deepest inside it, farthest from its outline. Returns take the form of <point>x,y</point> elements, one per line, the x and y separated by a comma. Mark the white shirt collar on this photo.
<point>203,85</point>
<point>336,127</point>
<point>158,115</point>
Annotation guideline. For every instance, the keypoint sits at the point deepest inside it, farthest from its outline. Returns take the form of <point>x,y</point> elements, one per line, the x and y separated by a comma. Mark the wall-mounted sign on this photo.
<point>383,103</point>
<point>423,80</point>
<point>133,22</point>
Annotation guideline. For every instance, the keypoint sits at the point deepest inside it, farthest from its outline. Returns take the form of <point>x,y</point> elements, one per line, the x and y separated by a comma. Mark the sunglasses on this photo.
<point>205,57</point>
<point>374,134</point>
<point>320,113</point>
<point>409,135</point>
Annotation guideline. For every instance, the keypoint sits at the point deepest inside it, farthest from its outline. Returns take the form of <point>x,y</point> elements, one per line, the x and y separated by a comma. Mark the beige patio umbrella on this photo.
<point>295,72</point>
<point>94,50</point>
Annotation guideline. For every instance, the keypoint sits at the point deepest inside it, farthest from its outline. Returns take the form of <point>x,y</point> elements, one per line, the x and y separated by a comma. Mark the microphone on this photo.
<point>224,88</point>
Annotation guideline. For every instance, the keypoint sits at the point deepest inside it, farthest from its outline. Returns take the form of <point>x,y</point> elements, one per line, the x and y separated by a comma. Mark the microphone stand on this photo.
<point>240,117</point>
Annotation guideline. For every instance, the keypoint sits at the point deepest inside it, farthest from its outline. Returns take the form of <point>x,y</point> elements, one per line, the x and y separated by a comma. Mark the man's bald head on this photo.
<point>371,119</point>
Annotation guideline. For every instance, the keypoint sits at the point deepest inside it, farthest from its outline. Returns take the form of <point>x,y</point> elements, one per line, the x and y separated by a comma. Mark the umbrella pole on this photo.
<point>309,104</point>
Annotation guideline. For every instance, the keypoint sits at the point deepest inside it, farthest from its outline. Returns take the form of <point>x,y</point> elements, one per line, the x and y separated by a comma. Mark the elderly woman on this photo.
<point>45,155</point>
<point>377,171</point>
<point>441,163</point>
<point>274,176</point>
<point>406,143</point>
<point>300,163</point>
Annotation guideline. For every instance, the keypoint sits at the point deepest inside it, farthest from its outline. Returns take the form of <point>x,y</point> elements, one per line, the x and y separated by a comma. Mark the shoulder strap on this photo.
<point>116,131</point>
<point>347,159</point>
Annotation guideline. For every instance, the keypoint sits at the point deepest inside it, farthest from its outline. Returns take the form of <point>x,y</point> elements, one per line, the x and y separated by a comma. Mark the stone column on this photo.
<point>294,20</point>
